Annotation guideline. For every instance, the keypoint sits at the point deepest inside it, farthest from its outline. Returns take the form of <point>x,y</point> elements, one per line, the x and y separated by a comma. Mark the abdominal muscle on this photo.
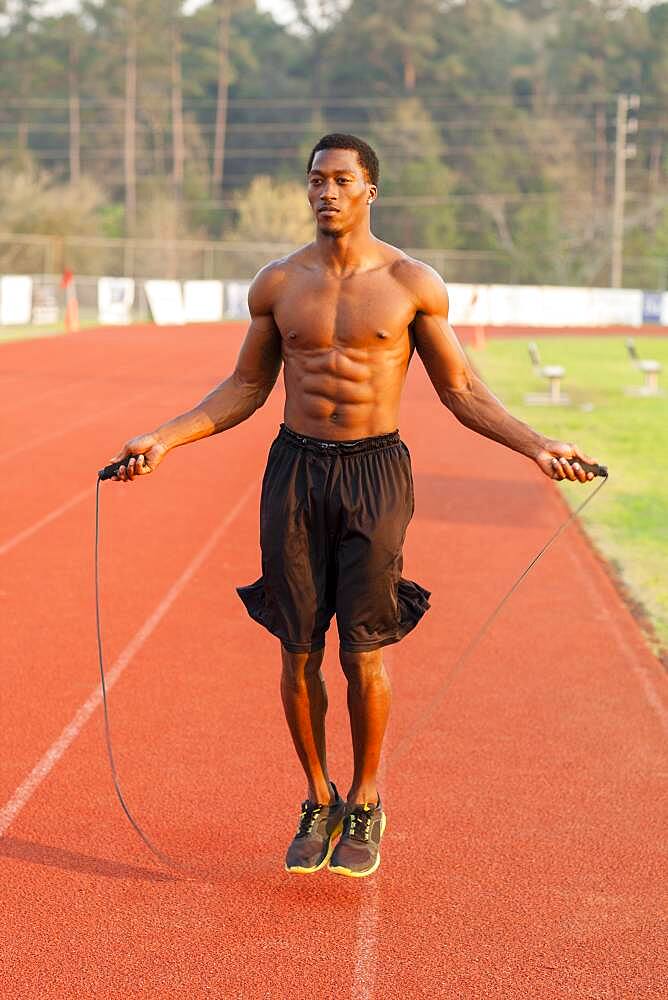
<point>342,395</point>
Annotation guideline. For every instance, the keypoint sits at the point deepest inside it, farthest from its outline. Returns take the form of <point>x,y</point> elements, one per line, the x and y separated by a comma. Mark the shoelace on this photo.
<point>358,823</point>
<point>308,816</point>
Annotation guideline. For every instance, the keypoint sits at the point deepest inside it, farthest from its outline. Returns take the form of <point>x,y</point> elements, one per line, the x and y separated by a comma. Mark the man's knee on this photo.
<point>298,667</point>
<point>362,668</point>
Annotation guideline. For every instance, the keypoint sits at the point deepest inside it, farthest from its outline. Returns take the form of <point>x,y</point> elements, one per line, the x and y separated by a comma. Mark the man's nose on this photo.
<point>329,191</point>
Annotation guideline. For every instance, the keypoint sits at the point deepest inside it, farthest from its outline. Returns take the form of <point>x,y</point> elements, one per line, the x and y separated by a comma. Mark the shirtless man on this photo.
<point>343,316</point>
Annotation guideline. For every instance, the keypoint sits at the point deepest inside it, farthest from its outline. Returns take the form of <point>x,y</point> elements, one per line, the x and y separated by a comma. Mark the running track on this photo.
<point>526,819</point>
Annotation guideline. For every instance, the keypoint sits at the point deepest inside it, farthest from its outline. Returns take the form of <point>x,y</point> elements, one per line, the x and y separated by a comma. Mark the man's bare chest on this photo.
<point>357,312</point>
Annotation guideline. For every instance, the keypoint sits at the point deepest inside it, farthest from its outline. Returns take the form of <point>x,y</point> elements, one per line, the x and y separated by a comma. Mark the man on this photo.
<point>344,316</point>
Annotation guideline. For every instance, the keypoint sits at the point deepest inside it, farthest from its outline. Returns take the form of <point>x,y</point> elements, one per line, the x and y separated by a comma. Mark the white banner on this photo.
<point>166,302</point>
<point>567,306</point>
<point>15,299</point>
<point>236,299</point>
<point>469,304</point>
<point>546,305</point>
<point>617,307</point>
<point>203,301</point>
<point>45,309</point>
<point>115,297</point>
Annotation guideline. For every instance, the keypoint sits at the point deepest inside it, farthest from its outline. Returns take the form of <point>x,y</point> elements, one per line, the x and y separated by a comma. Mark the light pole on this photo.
<point>623,152</point>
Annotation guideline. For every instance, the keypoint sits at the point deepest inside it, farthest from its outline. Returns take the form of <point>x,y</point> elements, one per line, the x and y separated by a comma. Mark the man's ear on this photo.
<point>373,194</point>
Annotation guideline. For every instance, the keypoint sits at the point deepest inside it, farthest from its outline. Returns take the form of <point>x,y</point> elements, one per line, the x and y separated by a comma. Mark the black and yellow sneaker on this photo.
<point>357,853</point>
<point>319,826</point>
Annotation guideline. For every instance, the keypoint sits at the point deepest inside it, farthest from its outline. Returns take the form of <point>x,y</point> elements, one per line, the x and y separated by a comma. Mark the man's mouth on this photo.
<point>327,210</point>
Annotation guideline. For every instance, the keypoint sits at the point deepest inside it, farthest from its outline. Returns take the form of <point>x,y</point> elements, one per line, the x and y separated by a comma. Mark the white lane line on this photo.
<point>53,515</point>
<point>89,419</point>
<point>366,947</point>
<point>43,768</point>
<point>648,683</point>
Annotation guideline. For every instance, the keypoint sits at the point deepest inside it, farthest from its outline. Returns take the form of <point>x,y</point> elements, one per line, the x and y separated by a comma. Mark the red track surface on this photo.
<point>522,858</point>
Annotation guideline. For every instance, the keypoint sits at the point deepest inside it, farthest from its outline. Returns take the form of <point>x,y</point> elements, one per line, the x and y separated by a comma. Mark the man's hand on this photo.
<point>553,461</point>
<point>140,456</point>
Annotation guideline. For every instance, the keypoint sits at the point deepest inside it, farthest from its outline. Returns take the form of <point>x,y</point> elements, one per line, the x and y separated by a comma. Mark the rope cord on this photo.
<point>404,744</point>
<point>162,856</point>
<point>402,748</point>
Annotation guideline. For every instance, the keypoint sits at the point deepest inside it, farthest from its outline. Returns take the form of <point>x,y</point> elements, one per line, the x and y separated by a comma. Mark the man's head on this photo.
<point>342,182</point>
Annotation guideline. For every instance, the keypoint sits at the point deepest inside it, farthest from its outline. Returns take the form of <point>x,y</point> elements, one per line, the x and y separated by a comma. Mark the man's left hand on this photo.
<point>553,461</point>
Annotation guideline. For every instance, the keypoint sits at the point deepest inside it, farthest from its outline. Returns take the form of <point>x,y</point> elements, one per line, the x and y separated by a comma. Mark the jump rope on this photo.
<point>404,744</point>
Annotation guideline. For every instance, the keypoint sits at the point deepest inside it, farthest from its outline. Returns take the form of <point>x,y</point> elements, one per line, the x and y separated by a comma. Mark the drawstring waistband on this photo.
<point>356,447</point>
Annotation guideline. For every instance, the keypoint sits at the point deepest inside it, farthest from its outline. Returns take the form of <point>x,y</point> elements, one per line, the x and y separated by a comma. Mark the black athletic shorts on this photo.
<point>333,517</point>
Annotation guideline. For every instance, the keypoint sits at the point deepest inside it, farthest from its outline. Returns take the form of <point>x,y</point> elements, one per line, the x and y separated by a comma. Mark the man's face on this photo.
<point>339,191</point>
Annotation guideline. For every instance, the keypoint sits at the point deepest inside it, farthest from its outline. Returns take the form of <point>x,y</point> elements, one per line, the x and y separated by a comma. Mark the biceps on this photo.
<point>259,360</point>
<point>441,354</point>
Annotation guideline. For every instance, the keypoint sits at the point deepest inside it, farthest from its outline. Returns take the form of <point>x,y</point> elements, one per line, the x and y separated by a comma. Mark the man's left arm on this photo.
<point>467,396</point>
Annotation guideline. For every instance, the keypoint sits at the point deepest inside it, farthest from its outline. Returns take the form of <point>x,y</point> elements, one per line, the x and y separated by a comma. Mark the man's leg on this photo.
<point>305,703</point>
<point>357,853</point>
<point>369,698</point>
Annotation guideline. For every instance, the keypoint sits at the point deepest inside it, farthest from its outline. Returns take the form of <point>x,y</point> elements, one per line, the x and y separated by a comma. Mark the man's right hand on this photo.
<point>140,456</point>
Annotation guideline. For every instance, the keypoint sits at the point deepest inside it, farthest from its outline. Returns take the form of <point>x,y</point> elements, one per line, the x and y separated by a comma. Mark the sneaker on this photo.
<point>319,826</point>
<point>357,853</point>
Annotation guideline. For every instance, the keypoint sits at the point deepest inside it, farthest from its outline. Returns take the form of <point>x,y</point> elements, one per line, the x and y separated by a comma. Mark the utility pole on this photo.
<point>178,146</point>
<point>129,151</point>
<point>75,106</point>
<point>221,99</point>
<point>623,151</point>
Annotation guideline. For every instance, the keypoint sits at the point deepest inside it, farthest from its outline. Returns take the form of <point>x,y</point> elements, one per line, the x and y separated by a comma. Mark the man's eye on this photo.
<point>344,180</point>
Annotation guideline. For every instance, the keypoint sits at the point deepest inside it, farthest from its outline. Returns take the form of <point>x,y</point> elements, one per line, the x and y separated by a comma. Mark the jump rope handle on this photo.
<point>112,470</point>
<point>594,468</point>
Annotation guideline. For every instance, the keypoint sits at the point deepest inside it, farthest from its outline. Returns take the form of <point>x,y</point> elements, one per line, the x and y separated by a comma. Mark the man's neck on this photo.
<point>348,253</point>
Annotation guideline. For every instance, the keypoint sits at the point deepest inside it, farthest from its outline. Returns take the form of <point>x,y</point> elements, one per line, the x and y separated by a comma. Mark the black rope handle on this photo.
<point>114,468</point>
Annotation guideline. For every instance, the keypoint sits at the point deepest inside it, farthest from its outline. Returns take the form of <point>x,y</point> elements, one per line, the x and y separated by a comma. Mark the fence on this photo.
<point>202,259</point>
<point>471,305</point>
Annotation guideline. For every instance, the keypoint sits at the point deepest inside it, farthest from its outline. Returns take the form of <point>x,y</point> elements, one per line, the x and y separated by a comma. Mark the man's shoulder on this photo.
<point>269,280</point>
<point>281,267</point>
<point>411,271</point>
<point>418,278</point>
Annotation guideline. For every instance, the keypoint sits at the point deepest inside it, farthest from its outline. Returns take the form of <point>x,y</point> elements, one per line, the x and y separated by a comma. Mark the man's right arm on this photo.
<point>229,403</point>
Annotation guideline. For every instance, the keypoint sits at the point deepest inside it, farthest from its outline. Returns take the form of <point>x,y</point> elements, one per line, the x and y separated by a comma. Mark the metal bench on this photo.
<point>650,370</point>
<point>554,375</point>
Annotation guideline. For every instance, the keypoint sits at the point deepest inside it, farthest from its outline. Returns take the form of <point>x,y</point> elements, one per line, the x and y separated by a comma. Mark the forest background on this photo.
<point>495,122</point>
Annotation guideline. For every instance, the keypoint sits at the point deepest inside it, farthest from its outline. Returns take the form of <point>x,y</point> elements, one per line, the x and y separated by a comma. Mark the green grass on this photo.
<point>628,523</point>
<point>9,333</point>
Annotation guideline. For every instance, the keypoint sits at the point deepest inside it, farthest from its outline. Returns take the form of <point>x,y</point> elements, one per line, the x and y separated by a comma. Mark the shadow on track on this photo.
<point>464,500</point>
<point>60,857</point>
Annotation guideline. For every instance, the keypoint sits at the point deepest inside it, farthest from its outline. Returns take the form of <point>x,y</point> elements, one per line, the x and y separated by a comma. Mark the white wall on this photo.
<point>546,305</point>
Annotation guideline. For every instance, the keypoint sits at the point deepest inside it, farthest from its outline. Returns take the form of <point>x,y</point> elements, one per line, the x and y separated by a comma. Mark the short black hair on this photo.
<point>342,140</point>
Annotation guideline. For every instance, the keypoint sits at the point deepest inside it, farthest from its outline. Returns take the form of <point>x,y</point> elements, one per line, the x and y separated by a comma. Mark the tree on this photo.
<point>20,52</point>
<point>409,148</point>
<point>224,7</point>
<point>64,41</point>
<point>30,202</point>
<point>273,211</point>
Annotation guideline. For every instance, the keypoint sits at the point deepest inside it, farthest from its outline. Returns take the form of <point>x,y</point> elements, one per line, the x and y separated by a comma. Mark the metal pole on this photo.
<point>623,151</point>
<point>620,192</point>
